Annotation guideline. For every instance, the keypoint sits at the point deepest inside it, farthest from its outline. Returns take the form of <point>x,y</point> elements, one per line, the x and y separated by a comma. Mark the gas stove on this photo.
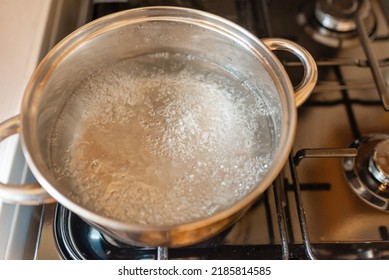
<point>331,200</point>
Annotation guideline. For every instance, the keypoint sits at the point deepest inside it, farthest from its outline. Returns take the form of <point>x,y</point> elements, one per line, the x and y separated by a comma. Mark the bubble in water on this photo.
<point>163,139</point>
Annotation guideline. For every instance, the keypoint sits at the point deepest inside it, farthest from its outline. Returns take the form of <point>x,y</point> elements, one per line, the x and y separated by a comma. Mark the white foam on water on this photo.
<point>163,139</point>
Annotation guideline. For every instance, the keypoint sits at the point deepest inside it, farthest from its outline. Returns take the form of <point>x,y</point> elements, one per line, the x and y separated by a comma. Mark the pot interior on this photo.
<point>156,119</point>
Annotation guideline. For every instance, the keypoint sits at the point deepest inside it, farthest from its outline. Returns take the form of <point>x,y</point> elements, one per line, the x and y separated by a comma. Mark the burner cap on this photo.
<point>333,22</point>
<point>379,163</point>
<point>338,15</point>
<point>368,172</point>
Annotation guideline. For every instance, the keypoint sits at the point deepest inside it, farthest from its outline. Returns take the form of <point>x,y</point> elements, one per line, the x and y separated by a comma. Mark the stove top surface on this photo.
<point>311,211</point>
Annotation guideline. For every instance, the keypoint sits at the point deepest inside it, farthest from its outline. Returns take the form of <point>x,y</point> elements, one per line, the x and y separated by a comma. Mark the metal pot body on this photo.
<point>133,33</point>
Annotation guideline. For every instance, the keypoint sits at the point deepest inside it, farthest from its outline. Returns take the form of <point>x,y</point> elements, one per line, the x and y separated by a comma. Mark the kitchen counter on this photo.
<point>22,29</point>
<point>28,30</point>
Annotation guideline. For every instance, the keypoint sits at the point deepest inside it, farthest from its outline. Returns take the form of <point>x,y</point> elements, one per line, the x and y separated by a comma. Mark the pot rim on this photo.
<point>96,27</point>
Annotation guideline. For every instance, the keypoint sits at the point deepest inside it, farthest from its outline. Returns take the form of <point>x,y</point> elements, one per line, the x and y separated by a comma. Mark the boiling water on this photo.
<point>162,139</point>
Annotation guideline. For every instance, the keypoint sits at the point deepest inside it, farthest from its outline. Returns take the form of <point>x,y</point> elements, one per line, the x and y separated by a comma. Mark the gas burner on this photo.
<point>78,240</point>
<point>333,22</point>
<point>339,16</point>
<point>368,173</point>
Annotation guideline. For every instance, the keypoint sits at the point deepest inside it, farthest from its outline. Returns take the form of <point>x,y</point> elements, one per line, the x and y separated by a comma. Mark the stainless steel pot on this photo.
<point>132,33</point>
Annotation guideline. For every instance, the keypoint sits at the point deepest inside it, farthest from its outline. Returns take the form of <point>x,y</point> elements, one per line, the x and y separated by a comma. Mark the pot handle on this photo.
<point>28,194</point>
<point>308,82</point>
